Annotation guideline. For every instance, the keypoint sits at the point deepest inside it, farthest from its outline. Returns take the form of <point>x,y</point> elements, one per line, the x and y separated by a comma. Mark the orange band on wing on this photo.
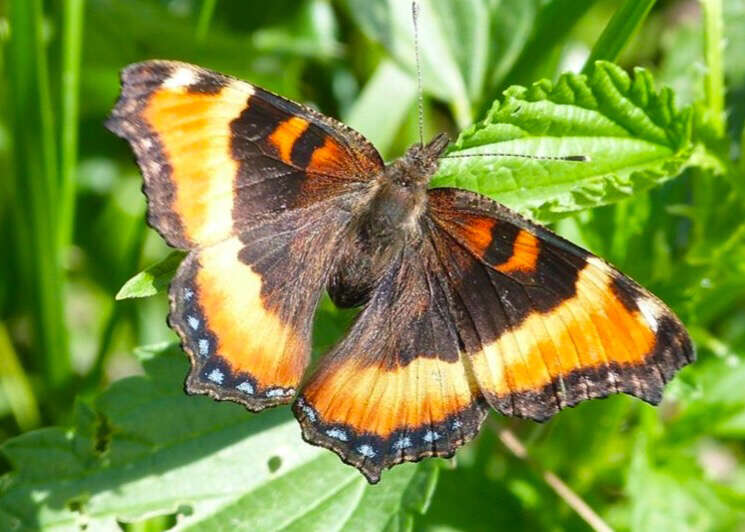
<point>524,254</point>
<point>379,401</point>
<point>589,330</point>
<point>285,136</point>
<point>477,234</point>
<point>329,159</point>
<point>194,130</point>
<point>251,338</point>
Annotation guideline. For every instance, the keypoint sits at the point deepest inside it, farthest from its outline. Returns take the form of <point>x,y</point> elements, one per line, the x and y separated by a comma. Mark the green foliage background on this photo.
<point>97,431</point>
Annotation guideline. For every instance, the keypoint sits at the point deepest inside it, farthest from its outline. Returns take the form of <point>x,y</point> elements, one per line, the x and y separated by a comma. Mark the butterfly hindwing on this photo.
<point>217,153</point>
<point>395,389</point>
<point>544,323</point>
<point>244,307</point>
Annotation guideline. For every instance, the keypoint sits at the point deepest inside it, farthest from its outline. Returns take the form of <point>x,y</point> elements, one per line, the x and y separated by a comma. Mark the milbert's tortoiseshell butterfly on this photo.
<point>467,306</point>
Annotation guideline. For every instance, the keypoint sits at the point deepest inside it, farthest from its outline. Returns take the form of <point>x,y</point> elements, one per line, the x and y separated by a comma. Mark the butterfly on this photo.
<point>465,305</point>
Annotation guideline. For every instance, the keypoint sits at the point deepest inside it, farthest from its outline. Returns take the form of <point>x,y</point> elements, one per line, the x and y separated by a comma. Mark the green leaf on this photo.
<point>147,449</point>
<point>153,279</point>
<point>674,495</point>
<point>634,136</point>
<point>375,114</point>
<point>453,44</point>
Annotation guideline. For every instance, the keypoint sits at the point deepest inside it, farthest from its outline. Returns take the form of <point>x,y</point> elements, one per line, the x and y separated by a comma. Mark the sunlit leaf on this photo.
<point>632,134</point>
<point>153,279</point>
<point>148,449</point>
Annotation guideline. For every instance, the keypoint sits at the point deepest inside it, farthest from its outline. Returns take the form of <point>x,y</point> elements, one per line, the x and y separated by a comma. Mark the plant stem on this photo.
<point>36,186</point>
<point>72,37</point>
<point>622,26</point>
<point>574,501</point>
<point>205,17</point>
<point>713,44</point>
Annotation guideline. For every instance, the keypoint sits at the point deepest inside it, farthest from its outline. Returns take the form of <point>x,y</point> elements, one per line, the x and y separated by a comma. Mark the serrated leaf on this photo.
<point>147,449</point>
<point>633,134</point>
<point>153,279</point>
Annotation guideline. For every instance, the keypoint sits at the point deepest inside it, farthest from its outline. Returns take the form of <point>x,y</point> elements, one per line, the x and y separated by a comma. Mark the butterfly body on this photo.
<point>466,306</point>
<point>384,224</point>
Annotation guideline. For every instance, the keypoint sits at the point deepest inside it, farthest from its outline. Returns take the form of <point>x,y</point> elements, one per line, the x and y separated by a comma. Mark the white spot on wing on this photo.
<point>431,436</point>
<point>216,376</point>
<point>204,347</point>
<point>188,294</point>
<point>278,392</point>
<point>366,450</point>
<point>193,322</point>
<point>600,264</point>
<point>457,424</point>
<point>402,443</point>
<point>309,413</point>
<point>245,387</point>
<point>153,167</point>
<point>337,434</point>
<point>242,86</point>
<point>182,77</point>
<point>649,311</point>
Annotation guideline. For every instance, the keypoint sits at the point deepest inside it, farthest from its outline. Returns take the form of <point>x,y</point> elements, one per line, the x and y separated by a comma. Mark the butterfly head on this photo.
<point>419,163</point>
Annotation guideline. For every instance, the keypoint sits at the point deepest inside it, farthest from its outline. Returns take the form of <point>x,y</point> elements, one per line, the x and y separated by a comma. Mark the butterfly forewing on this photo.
<point>545,323</point>
<point>218,153</point>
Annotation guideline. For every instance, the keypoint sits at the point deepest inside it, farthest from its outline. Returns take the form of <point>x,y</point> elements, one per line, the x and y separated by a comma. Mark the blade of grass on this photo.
<point>129,262</point>
<point>72,38</point>
<point>36,186</point>
<point>620,30</point>
<point>713,45</point>
<point>205,17</point>
<point>16,386</point>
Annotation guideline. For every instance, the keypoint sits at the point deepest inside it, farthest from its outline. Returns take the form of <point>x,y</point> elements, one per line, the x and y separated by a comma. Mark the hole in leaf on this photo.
<point>160,522</point>
<point>76,506</point>
<point>274,463</point>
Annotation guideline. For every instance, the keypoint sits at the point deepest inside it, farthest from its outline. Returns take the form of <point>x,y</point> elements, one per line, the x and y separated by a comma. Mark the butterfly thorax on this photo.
<point>388,223</point>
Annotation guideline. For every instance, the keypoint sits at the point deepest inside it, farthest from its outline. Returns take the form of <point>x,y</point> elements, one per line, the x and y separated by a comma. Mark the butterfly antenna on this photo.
<point>571,158</point>
<point>414,17</point>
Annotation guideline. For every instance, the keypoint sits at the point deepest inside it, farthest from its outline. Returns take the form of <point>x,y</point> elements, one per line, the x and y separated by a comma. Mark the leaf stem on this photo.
<point>516,447</point>
<point>72,37</point>
<point>621,28</point>
<point>713,45</point>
